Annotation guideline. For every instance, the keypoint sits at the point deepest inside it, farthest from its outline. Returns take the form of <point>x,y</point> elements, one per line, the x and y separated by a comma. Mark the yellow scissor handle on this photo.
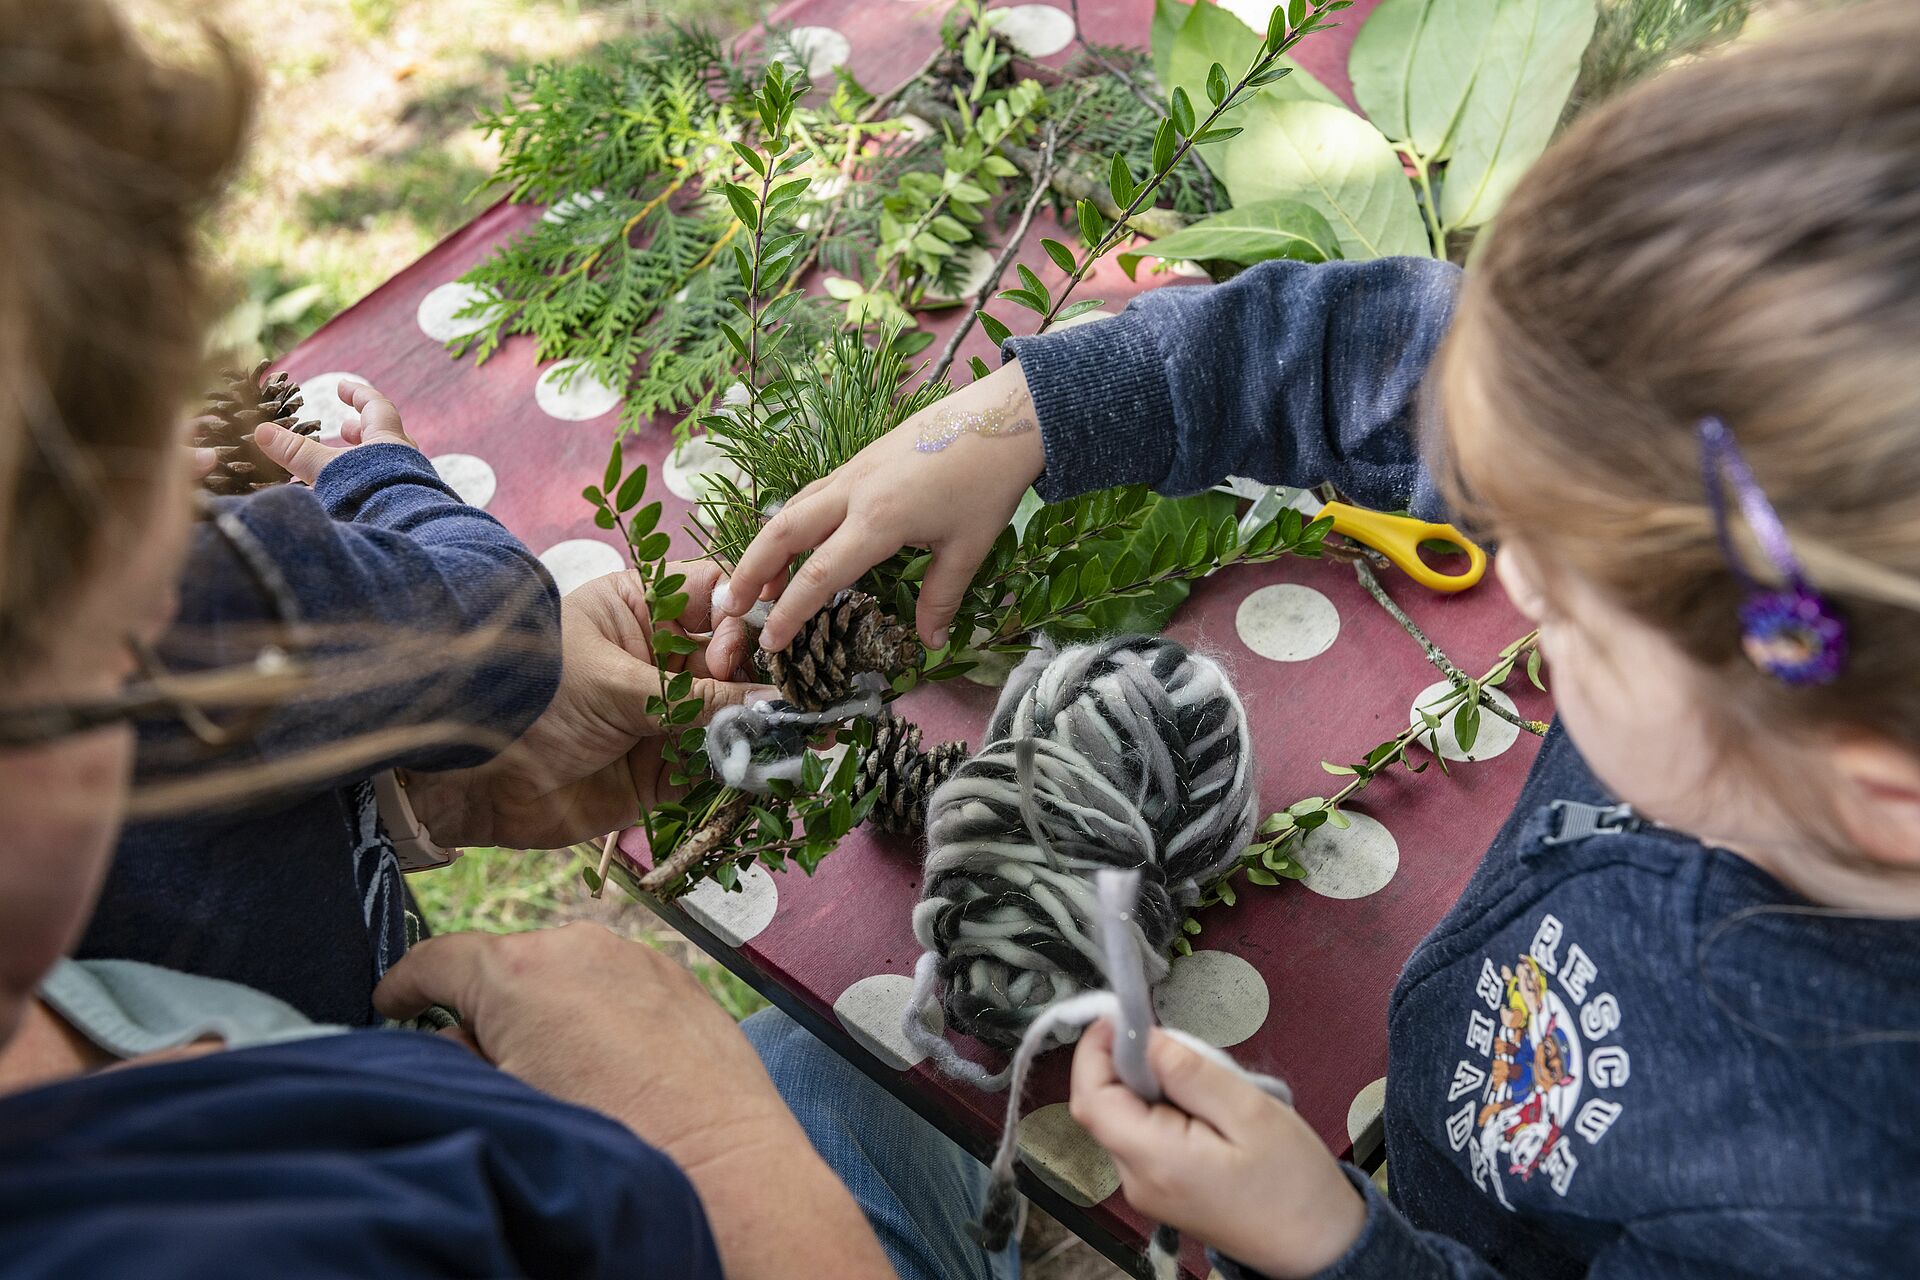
<point>1398,538</point>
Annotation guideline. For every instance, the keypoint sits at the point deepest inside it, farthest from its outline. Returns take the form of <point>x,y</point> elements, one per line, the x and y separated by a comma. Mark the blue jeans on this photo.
<point>919,1190</point>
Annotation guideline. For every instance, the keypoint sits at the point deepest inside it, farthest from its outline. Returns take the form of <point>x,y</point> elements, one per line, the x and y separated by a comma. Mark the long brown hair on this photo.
<point>1739,238</point>
<point>108,155</point>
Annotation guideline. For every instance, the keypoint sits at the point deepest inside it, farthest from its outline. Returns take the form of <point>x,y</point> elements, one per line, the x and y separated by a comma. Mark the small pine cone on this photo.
<point>892,766</point>
<point>849,637</point>
<point>903,775</point>
<point>227,427</point>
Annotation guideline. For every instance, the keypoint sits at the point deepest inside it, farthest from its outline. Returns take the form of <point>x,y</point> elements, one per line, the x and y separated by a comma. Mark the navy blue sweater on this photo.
<point>425,611</point>
<point>1633,1055</point>
<point>388,1154</point>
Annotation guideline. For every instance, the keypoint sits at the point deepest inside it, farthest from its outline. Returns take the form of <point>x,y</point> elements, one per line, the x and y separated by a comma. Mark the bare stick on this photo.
<point>992,283</point>
<point>1460,679</point>
<point>699,846</point>
<point>1210,195</point>
<point>1073,185</point>
<point>606,858</point>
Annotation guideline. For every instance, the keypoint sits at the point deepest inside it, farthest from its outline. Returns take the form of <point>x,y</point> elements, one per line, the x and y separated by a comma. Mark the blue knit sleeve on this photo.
<point>1289,373</point>
<point>1389,1248</point>
<point>420,610</point>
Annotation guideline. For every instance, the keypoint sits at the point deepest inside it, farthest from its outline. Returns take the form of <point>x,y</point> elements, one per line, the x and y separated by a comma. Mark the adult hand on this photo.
<point>1219,1159</point>
<point>593,760</point>
<point>378,423</point>
<point>613,1025</point>
<point>947,479</point>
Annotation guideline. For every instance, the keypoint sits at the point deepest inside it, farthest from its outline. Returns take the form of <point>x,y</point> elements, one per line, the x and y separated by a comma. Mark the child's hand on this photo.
<point>304,456</point>
<point>947,479</point>
<point>1225,1162</point>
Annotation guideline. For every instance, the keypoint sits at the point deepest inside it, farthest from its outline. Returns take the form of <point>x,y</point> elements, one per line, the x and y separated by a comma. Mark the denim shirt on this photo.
<point>1627,1054</point>
<point>422,611</point>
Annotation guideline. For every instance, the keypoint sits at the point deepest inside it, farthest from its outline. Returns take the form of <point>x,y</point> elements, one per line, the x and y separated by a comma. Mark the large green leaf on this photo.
<point>1149,614</point>
<point>1532,56</point>
<point>1330,158</point>
<point>1211,34</point>
<point>1168,17</point>
<point>1251,233</point>
<point>1413,64</point>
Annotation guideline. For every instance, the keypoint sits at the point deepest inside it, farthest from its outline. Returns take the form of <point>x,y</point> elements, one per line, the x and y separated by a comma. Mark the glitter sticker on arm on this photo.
<point>1004,419</point>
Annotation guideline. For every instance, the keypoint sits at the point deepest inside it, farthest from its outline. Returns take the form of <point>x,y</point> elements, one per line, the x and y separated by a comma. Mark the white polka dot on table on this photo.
<point>568,206</point>
<point>468,476</point>
<point>1066,1157</point>
<point>1214,995</point>
<point>979,265</point>
<point>914,127</point>
<point>439,314</point>
<point>1348,862</point>
<point>833,755</point>
<point>820,48</point>
<point>1254,13</point>
<point>320,402</point>
<point>1037,30</point>
<point>1494,736</point>
<point>873,1011</point>
<point>1085,317</point>
<point>1287,622</point>
<point>738,916</point>
<point>580,560</point>
<point>691,470</point>
<point>1181,267</point>
<point>1364,1112</point>
<point>573,394</point>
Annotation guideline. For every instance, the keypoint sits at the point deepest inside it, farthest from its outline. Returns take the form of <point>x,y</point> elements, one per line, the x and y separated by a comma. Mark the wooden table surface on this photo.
<point>1294,979</point>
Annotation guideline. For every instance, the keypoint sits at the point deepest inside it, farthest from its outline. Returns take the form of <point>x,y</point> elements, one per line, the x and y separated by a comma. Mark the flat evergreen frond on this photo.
<point>1635,38</point>
<point>608,123</point>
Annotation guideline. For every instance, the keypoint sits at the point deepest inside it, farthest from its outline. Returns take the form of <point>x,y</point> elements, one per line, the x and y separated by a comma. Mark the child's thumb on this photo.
<point>1202,1082</point>
<point>301,455</point>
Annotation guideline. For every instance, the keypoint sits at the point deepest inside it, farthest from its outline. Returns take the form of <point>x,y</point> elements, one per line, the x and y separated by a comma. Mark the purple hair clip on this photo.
<point>1789,632</point>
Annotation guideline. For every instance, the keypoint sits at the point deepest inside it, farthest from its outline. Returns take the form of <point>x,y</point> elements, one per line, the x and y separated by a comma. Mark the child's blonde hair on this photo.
<point>107,156</point>
<point>1741,239</point>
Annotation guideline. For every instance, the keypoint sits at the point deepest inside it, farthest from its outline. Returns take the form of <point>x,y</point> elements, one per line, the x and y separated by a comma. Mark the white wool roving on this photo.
<point>1130,753</point>
<point>1129,1009</point>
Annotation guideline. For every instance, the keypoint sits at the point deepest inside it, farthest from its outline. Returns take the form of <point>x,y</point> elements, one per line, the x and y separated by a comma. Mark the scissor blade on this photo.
<point>1272,501</point>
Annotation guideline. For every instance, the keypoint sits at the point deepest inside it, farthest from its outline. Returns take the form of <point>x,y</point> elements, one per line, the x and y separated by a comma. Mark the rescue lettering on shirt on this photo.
<point>1530,1098</point>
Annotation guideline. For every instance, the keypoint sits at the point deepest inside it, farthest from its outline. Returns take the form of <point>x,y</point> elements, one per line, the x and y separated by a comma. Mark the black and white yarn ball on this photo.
<point>1131,752</point>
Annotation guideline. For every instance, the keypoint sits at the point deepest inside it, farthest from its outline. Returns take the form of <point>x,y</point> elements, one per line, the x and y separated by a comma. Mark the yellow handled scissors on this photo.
<point>1398,538</point>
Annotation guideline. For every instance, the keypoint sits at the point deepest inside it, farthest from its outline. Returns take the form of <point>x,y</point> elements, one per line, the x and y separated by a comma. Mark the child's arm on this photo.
<point>419,610</point>
<point>1287,374</point>
<point>1243,1173</point>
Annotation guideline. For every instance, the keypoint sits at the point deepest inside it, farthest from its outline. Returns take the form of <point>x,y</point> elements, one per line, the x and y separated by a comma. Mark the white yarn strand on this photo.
<point>754,745</point>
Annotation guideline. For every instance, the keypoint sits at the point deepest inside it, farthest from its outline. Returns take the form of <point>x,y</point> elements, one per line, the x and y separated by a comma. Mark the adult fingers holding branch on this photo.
<point>947,479</point>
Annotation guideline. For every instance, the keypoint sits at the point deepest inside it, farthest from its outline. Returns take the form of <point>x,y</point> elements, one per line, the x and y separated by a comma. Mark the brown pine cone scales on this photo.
<point>904,776</point>
<point>849,637</point>
<point>227,427</point>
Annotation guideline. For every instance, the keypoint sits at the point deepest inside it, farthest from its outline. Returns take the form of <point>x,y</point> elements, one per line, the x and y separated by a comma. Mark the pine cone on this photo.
<point>903,775</point>
<point>847,638</point>
<point>227,428</point>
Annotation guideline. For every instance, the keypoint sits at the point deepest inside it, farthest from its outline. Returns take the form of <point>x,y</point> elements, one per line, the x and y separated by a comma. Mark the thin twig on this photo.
<point>1210,194</point>
<point>696,848</point>
<point>1458,678</point>
<point>1071,184</point>
<point>606,858</point>
<point>999,269</point>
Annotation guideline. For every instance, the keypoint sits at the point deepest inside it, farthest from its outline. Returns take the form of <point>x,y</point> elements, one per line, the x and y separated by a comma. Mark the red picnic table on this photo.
<point>1295,979</point>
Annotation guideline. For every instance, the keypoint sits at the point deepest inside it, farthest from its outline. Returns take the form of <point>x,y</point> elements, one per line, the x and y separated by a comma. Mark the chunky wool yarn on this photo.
<point>754,745</point>
<point>1128,1007</point>
<point>1131,753</point>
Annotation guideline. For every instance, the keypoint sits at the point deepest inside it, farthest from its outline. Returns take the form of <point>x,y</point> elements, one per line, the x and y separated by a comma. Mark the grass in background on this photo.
<point>364,155</point>
<point>514,890</point>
